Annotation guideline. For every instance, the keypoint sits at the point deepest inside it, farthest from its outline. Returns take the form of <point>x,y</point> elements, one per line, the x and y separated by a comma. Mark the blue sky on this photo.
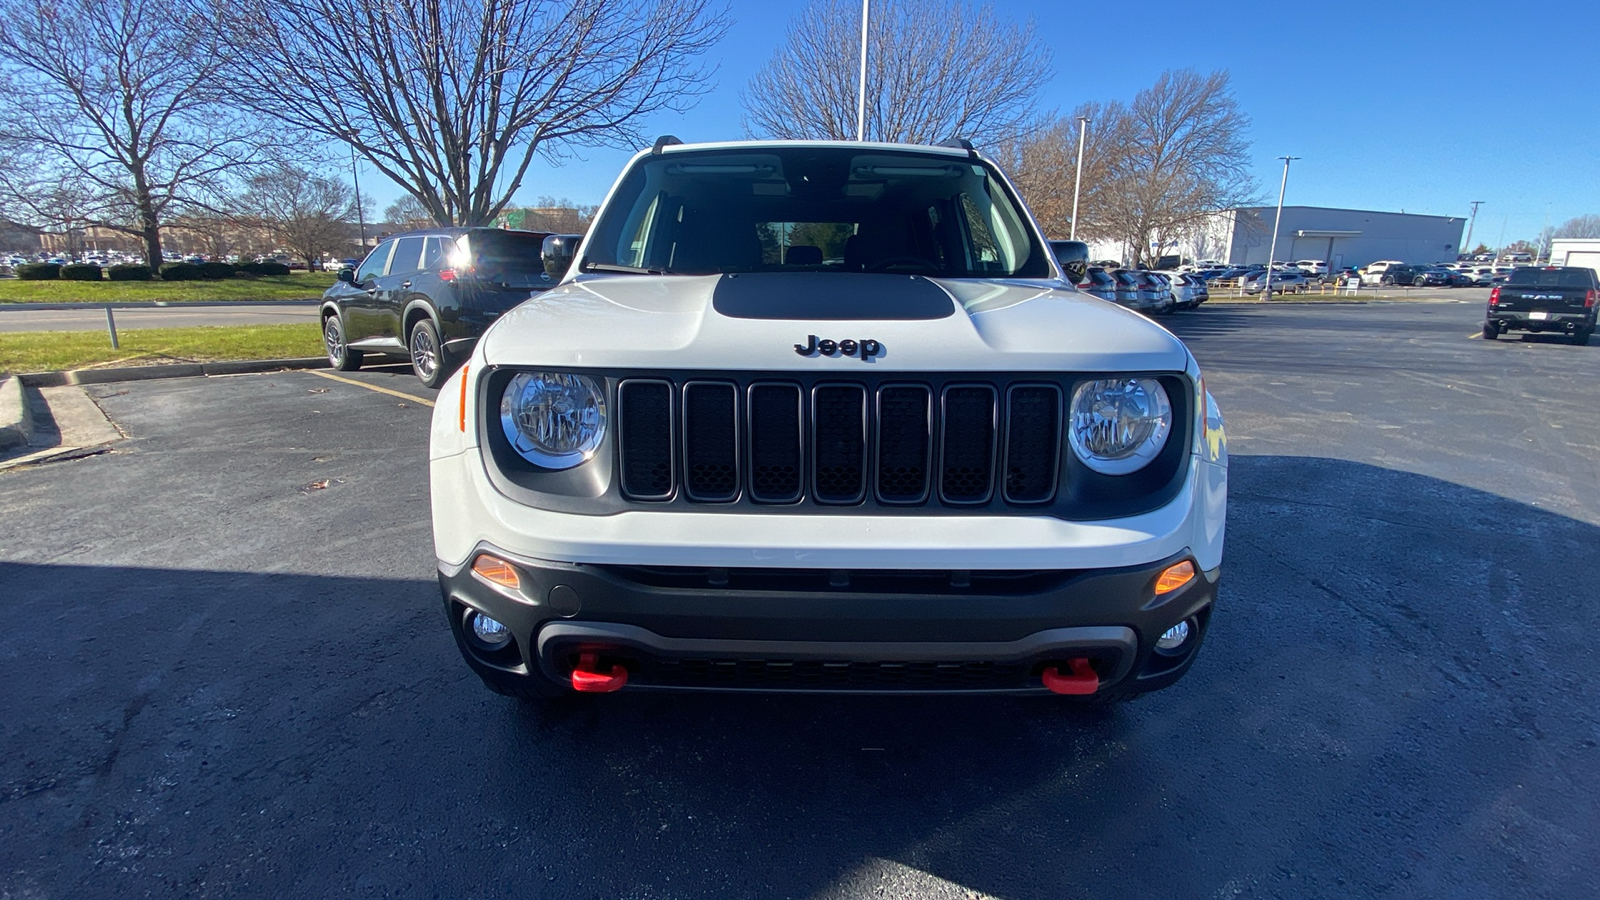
<point>1414,106</point>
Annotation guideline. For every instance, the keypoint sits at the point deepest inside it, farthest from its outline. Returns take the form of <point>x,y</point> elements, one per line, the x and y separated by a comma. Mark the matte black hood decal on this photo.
<point>839,296</point>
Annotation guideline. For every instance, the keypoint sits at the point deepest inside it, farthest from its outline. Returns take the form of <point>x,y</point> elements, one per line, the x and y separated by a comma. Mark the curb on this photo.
<point>181,370</point>
<point>16,415</point>
<point>152,304</point>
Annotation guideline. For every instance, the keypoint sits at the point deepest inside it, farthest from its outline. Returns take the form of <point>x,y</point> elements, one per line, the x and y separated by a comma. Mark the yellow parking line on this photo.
<point>1474,334</point>
<point>372,387</point>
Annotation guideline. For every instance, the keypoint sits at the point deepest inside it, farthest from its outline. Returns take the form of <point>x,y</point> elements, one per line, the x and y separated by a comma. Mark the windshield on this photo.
<point>816,209</point>
<point>1568,277</point>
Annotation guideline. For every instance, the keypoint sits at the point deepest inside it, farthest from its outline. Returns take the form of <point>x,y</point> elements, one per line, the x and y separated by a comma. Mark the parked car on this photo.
<point>1131,292</point>
<point>1429,276</point>
<point>1545,298</point>
<point>1099,283</point>
<point>1312,266</point>
<point>696,466</point>
<point>1291,281</point>
<point>427,296</point>
<point>1166,297</point>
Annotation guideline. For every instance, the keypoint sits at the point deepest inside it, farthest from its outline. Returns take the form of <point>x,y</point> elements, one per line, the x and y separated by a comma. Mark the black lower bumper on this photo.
<point>1554,321</point>
<point>858,631</point>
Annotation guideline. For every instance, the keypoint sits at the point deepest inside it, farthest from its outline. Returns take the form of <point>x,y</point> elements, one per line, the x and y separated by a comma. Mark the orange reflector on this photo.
<point>497,571</point>
<point>1175,577</point>
<point>462,408</point>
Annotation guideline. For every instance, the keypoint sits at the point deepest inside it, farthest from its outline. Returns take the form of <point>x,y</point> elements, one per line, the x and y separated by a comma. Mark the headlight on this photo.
<point>553,420</point>
<point>1119,425</point>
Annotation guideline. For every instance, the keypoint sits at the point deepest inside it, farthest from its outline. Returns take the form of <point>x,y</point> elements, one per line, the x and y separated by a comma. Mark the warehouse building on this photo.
<point>1341,237</point>
<point>1575,252</point>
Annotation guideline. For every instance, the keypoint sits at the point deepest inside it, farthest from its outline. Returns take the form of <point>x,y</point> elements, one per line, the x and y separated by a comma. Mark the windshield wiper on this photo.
<point>625,270</point>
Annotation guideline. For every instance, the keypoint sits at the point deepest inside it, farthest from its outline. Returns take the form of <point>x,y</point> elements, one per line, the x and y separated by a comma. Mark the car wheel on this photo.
<point>1419,281</point>
<point>429,360</point>
<point>1386,280</point>
<point>340,356</point>
<point>1490,332</point>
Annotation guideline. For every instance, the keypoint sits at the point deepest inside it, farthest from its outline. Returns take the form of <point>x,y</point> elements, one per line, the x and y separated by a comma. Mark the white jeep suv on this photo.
<point>825,417</point>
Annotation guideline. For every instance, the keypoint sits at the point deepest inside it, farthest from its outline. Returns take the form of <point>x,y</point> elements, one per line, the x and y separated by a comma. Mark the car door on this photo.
<point>395,285</point>
<point>360,320</point>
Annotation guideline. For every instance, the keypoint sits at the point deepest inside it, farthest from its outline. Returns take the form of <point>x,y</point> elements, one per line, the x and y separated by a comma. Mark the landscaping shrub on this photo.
<point>272,268</point>
<point>38,271</point>
<point>182,272</point>
<point>129,273</point>
<point>217,270</point>
<point>82,272</point>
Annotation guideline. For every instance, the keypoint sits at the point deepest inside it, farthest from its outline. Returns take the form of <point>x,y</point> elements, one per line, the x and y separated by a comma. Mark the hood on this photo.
<point>756,321</point>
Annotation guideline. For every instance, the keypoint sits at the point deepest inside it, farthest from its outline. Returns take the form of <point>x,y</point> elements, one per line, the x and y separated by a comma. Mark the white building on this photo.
<point>1575,252</point>
<point>1340,237</point>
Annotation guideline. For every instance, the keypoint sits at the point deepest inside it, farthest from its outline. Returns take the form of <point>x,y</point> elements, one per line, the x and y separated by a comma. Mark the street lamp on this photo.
<point>1278,220</point>
<point>355,176</point>
<point>1077,182</point>
<point>1471,222</point>
<point>861,93</point>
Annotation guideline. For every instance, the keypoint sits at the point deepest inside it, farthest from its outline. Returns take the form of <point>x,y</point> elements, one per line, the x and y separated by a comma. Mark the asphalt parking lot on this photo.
<point>227,672</point>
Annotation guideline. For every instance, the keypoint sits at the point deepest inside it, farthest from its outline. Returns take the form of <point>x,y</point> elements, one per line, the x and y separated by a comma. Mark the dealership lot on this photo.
<point>228,672</point>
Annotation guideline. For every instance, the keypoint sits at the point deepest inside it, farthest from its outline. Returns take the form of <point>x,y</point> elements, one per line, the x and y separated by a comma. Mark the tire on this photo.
<point>340,356</point>
<point>430,362</point>
<point>1491,333</point>
<point>1387,281</point>
<point>1419,281</point>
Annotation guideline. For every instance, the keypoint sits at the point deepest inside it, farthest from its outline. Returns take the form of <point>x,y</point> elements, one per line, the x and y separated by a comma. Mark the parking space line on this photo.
<point>1475,334</point>
<point>372,387</point>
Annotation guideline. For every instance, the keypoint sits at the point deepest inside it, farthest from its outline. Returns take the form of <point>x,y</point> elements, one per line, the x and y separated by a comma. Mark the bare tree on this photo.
<point>408,214</point>
<point>451,99</point>
<point>1043,164</point>
<point>116,102</point>
<point>1155,169</point>
<point>935,69</point>
<point>308,214</point>
<point>1579,227</point>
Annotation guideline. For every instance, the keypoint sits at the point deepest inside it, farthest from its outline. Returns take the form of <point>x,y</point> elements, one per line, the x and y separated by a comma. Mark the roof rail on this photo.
<point>958,143</point>
<point>666,140</point>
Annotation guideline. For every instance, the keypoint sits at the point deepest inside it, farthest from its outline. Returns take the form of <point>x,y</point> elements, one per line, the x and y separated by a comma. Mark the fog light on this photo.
<point>1172,639</point>
<point>491,633</point>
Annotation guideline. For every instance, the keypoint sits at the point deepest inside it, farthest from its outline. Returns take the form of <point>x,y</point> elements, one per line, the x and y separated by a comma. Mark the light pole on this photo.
<point>1471,222</point>
<point>361,215</point>
<point>861,92</point>
<point>1077,182</point>
<point>1273,252</point>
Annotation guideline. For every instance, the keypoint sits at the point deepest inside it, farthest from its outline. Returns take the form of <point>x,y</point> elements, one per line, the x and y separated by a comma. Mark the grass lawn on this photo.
<point>294,286</point>
<point>48,351</point>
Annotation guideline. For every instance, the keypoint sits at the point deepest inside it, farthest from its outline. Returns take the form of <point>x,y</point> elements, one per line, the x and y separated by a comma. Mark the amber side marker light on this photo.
<point>496,571</point>
<point>1175,576</point>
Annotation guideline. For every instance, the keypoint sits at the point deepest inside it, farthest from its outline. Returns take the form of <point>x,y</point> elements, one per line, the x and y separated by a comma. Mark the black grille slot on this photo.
<point>840,456</point>
<point>1033,449</point>
<point>710,441</point>
<point>967,453</point>
<point>645,438</point>
<point>775,463</point>
<point>839,675</point>
<point>905,439</point>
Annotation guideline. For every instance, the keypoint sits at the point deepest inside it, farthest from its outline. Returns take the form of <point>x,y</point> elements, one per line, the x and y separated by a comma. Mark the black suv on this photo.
<point>428,295</point>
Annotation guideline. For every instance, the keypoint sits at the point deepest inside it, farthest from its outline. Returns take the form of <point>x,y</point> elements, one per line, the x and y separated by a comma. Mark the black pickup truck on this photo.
<point>1544,298</point>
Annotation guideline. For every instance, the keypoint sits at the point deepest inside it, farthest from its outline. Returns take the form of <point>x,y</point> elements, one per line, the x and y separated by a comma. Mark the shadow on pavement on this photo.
<point>1399,694</point>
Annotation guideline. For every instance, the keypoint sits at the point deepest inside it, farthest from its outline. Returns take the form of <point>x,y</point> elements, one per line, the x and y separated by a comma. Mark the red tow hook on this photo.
<point>1083,680</point>
<point>588,680</point>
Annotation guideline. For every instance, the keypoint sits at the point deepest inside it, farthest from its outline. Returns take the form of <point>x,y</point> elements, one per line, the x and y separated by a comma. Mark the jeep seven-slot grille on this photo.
<point>839,443</point>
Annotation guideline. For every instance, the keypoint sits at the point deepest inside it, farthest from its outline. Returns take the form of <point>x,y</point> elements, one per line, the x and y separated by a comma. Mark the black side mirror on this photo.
<point>1074,259</point>
<point>348,276</point>
<point>558,252</point>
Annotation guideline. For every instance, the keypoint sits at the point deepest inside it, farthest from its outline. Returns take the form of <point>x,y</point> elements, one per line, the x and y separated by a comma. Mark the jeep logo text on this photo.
<point>865,348</point>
